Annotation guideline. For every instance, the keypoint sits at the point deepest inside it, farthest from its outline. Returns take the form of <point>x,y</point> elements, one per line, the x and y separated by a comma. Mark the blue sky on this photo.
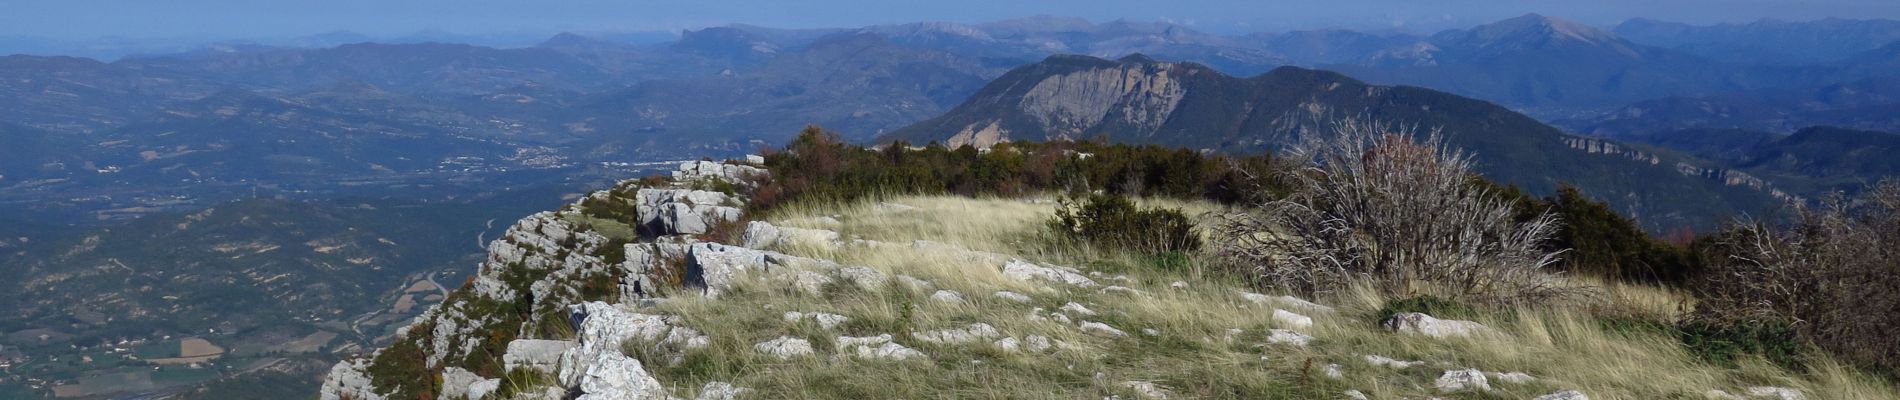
<point>276,18</point>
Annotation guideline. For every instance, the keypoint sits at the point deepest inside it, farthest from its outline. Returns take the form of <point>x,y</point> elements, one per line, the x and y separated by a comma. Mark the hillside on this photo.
<point>1139,100</point>
<point>1812,160</point>
<point>950,297</point>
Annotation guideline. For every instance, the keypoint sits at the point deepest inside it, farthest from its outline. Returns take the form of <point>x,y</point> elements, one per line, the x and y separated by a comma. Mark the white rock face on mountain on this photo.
<point>691,171</point>
<point>683,211</point>
<point>1421,324</point>
<point>348,380</point>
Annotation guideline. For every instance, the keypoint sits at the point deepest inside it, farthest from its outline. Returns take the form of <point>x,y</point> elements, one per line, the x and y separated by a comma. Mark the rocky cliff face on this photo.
<point>535,303</point>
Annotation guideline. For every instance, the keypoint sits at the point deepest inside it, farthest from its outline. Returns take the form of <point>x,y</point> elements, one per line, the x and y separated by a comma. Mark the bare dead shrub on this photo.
<point>1833,273</point>
<point>1372,205</point>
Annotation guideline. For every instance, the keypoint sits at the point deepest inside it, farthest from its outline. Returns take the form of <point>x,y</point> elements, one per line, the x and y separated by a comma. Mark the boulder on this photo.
<point>610,375</point>
<point>1037,343</point>
<point>1461,380</point>
<point>1411,323</point>
<point>1078,309</point>
<point>759,235</point>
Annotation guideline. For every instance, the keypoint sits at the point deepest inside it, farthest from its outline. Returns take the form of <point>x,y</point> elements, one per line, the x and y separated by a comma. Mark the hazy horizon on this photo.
<point>235,19</point>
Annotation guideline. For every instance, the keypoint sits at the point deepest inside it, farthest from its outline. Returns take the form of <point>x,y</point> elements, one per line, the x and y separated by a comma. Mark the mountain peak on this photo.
<point>1534,24</point>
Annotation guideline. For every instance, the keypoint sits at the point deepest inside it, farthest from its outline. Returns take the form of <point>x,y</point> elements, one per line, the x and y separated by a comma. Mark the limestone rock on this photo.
<point>1009,344</point>
<point>1037,343</point>
<point>1012,296</point>
<point>947,297</point>
<point>348,379</point>
<point>825,320</point>
<point>456,382</point>
<point>483,388</point>
<point>784,347</point>
<point>1355,394</point>
<point>1101,329</point>
<point>1335,371</point>
<point>1282,336</point>
<point>1289,319</point>
<point>915,284</point>
<point>1775,392</point>
<point>1564,395</point>
<point>1146,390</point>
<point>538,354</point>
<point>1384,361</point>
<point>1284,301</point>
<point>1024,271</point>
<point>759,235</point>
<point>1515,378</point>
<point>611,375</point>
<point>864,277</point>
<point>971,333</point>
<point>1078,309</point>
<point>875,347</point>
<point>720,391</point>
<point>1421,324</point>
<point>1461,380</point>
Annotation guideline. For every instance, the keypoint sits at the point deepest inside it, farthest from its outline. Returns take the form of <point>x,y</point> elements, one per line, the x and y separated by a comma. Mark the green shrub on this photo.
<point>1114,222</point>
<point>1724,343</point>
<point>1428,304</point>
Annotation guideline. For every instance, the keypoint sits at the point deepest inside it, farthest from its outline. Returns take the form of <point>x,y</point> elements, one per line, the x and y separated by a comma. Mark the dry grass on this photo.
<point>1566,346</point>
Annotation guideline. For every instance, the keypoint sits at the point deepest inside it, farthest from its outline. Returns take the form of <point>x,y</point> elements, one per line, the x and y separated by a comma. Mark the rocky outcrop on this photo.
<point>1422,324</point>
<point>553,265</point>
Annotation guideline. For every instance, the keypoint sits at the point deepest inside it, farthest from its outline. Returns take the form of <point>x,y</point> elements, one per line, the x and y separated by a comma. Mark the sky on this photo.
<point>237,19</point>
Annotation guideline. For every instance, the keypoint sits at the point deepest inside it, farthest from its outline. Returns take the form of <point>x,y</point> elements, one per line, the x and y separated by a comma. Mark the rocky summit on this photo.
<point>663,290</point>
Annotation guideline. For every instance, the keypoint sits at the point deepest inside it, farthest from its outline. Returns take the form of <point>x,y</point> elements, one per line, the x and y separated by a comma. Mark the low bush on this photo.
<point>1832,274</point>
<point>1725,342</point>
<point>1374,206</point>
<point>1114,222</point>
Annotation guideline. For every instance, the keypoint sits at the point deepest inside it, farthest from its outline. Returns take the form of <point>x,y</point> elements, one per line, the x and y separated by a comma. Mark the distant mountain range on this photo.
<point>1140,100</point>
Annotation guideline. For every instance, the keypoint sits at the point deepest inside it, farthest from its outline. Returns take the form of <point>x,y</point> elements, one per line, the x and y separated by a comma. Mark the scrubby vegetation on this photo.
<point>1371,206</point>
<point>1831,277</point>
<point>1115,222</point>
<point>819,167</point>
